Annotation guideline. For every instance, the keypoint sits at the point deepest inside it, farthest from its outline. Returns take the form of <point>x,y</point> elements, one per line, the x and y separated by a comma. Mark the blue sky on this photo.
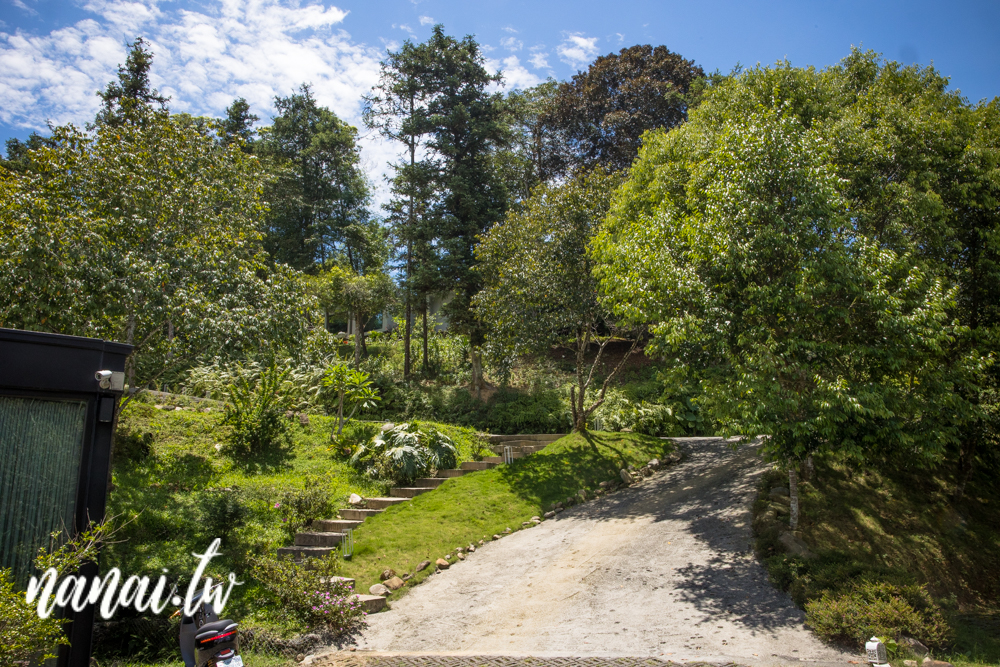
<point>55,54</point>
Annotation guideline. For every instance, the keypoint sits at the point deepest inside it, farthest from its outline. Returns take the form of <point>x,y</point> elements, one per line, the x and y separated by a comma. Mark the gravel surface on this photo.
<point>662,569</point>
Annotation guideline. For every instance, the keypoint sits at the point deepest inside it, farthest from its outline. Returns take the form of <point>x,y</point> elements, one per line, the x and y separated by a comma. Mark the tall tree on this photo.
<point>321,194</point>
<point>539,286</point>
<point>132,90</point>
<point>466,127</point>
<point>604,111</point>
<point>808,238</point>
<point>237,126</point>
<point>396,109</point>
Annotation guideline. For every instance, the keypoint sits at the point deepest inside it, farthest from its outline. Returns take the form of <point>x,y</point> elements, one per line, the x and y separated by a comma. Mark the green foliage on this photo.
<point>404,453</point>
<point>351,388</point>
<point>873,608</point>
<point>539,288</point>
<point>255,411</point>
<point>300,507</point>
<point>307,591</point>
<point>618,413</point>
<point>147,233</point>
<point>786,244</point>
<point>223,511</point>
<point>24,637</point>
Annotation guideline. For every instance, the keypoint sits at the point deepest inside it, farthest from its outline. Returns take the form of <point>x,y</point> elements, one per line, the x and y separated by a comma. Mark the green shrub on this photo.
<point>404,453</point>
<point>24,637</point>
<point>133,446</point>
<point>308,591</point>
<point>256,412</point>
<point>873,608</point>
<point>300,507</point>
<point>222,510</point>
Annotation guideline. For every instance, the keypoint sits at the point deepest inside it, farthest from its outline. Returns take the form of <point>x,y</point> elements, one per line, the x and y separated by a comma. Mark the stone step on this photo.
<point>358,515</point>
<point>408,491</point>
<point>372,603</point>
<point>313,539</point>
<point>497,460</point>
<point>333,525</point>
<point>477,465</point>
<point>299,553</point>
<point>450,472</point>
<point>383,503</point>
<point>330,580</point>
<point>536,437</point>
<point>430,482</point>
<point>524,449</point>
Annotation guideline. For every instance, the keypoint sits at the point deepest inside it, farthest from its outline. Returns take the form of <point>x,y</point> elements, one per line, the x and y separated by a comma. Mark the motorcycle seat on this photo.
<point>218,627</point>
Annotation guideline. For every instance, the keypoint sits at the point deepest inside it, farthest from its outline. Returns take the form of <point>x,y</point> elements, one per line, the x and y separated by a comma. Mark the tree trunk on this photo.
<point>357,341</point>
<point>793,492</point>
<point>408,326</point>
<point>340,412</point>
<point>966,459</point>
<point>477,372</point>
<point>425,335</point>
<point>808,468</point>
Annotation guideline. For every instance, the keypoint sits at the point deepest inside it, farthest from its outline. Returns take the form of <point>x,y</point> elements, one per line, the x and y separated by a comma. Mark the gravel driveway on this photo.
<point>663,569</point>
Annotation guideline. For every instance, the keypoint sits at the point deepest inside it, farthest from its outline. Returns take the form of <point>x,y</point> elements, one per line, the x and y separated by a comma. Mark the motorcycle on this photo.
<point>206,641</point>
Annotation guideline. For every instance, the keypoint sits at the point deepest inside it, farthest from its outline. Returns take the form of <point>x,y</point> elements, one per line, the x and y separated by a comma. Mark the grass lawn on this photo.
<point>902,527</point>
<point>465,509</point>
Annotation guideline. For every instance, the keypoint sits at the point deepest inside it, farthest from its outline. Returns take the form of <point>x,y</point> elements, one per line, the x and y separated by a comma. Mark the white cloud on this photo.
<point>539,57</point>
<point>511,43</point>
<point>403,26</point>
<point>576,50</point>
<point>23,7</point>
<point>202,59</point>
<point>509,29</point>
<point>426,20</point>
<point>514,73</point>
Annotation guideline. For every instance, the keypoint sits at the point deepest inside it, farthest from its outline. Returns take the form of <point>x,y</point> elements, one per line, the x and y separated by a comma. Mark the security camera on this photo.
<point>103,378</point>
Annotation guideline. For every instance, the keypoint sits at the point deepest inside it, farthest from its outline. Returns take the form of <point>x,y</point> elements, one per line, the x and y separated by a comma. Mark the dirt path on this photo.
<point>663,569</point>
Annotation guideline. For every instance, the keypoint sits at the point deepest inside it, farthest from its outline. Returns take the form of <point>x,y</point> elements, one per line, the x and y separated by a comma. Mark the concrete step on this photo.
<point>372,603</point>
<point>358,515</point>
<point>477,465</point>
<point>408,491</point>
<point>333,525</point>
<point>495,460</point>
<point>524,449</point>
<point>450,472</point>
<point>430,482</point>
<point>312,539</point>
<point>298,553</point>
<point>383,503</point>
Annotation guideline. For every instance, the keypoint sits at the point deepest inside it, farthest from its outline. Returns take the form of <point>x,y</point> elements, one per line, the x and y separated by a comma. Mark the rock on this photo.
<point>536,518</point>
<point>459,550</point>
<point>472,548</point>
<point>442,563</point>
<point>778,491</point>
<point>626,476</point>
<point>303,419</point>
<point>394,584</point>
<point>549,515</point>
<point>288,414</point>
<point>355,499</point>
<point>557,505</point>
<point>909,663</point>
<point>461,556</point>
<point>654,464</point>
<point>795,546</point>
<point>646,471</point>
<point>496,537</point>
<point>582,493</point>
<point>447,556</point>
<point>387,574</point>
<point>378,589</point>
<point>300,657</point>
<point>525,524</point>
<point>507,530</point>
<point>407,576</point>
<point>936,663</point>
<point>559,509</point>
<point>536,521</point>
<point>423,565</point>
<point>388,426</point>
<point>914,645</point>
<point>482,542</point>
<point>605,485</point>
